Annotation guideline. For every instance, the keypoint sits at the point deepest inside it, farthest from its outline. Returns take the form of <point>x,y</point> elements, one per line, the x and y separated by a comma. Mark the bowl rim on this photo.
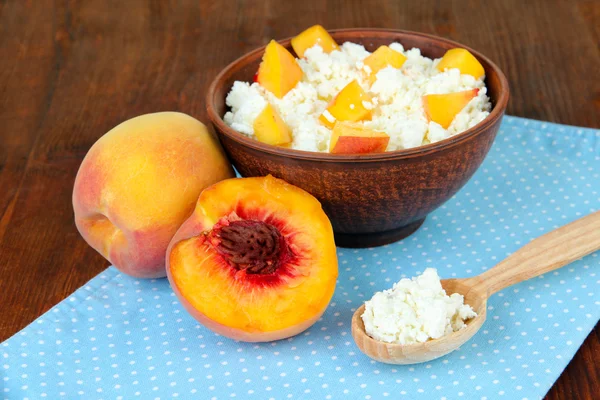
<point>496,113</point>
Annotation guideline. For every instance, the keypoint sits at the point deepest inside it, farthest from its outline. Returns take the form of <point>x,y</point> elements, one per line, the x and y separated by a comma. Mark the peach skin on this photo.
<point>353,138</point>
<point>139,182</point>
<point>256,261</point>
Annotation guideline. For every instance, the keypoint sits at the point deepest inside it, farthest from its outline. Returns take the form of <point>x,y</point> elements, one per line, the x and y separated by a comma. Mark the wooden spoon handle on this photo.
<point>546,253</point>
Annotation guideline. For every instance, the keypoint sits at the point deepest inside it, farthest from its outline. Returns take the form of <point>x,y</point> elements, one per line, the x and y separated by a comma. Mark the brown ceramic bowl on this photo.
<point>371,199</point>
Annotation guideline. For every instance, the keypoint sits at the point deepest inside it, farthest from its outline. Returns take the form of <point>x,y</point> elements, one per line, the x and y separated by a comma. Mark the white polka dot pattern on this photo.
<point>121,338</point>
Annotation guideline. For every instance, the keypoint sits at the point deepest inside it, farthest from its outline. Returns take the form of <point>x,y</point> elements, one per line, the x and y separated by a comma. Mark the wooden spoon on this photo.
<point>544,254</point>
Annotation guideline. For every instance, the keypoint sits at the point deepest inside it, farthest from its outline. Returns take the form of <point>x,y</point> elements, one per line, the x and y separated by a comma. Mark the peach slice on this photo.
<point>442,108</point>
<point>353,138</point>
<point>381,58</point>
<point>348,105</point>
<point>463,60</point>
<point>256,261</point>
<point>316,34</point>
<point>269,127</point>
<point>278,72</point>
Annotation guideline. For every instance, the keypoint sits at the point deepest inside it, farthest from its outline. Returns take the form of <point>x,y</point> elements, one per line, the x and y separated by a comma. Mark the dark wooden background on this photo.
<point>71,70</point>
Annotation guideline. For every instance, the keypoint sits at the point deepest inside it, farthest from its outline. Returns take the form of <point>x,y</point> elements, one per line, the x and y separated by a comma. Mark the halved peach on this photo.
<point>256,261</point>
<point>463,60</point>
<point>316,34</point>
<point>354,138</point>
<point>442,108</point>
<point>381,58</point>
<point>348,105</point>
<point>270,128</point>
<point>278,72</point>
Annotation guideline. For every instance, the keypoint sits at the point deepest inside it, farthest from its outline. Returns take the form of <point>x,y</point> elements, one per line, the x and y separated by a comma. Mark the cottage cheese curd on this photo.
<point>415,310</point>
<point>396,104</point>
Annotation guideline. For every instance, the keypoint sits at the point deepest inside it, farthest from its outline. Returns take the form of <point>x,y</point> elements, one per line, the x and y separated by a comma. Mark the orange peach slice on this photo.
<point>314,35</point>
<point>348,105</point>
<point>269,127</point>
<point>139,182</point>
<point>353,138</point>
<point>463,60</point>
<point>442,108</point>
<point>278,72</point>
<point>381,58</point>
<point>256,261</point>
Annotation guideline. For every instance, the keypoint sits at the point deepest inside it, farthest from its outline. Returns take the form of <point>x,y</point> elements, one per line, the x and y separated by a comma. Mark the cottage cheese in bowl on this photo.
<point>396,98</point>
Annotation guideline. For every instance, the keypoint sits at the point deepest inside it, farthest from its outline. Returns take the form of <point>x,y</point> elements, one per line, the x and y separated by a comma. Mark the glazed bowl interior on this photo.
<point>371,199</point>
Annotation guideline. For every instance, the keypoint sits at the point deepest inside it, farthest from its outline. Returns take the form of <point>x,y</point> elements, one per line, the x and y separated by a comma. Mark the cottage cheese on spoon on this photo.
<point>415,310</point>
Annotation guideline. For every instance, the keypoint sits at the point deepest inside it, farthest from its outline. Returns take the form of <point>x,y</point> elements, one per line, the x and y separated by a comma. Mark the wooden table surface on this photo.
<point>71,70</point>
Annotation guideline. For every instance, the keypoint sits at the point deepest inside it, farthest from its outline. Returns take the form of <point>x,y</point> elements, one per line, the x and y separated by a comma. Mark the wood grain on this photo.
<point>71,70</point>
<point>546,253</point>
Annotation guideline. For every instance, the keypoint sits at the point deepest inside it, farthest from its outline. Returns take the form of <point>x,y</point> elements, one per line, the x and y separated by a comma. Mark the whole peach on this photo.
<point>139,182</point>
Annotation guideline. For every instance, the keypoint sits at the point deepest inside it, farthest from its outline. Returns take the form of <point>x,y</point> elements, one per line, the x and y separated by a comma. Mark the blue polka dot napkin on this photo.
<point>122,338</point>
